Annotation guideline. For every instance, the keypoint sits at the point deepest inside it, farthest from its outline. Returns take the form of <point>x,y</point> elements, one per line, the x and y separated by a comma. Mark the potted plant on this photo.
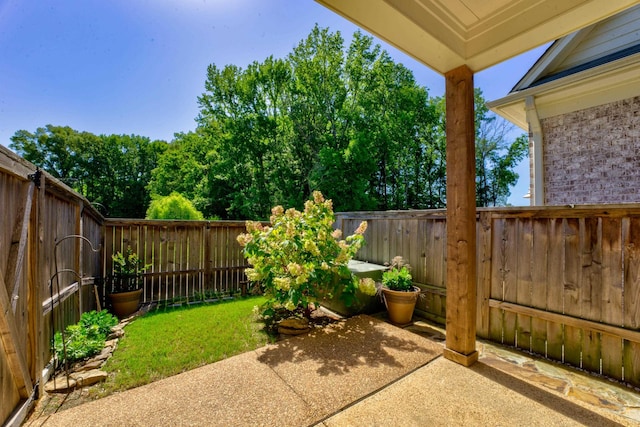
<point>398,292</point>
<point>124,286</point>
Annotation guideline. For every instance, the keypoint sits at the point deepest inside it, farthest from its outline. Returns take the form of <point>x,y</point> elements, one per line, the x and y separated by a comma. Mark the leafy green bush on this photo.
<point>103,320</point>
<point>86,338</point>
<point>300,258</point>
<point>398,277</point>
<point>173,206</point>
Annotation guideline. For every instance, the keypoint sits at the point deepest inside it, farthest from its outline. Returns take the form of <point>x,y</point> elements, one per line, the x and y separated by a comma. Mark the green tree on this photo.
<point>111,171</point>
<point>399,132</point>
<point>349,122</point>
<point>247,109</point>
<point>173,206</point>
<point>56,149</point>
<point>184,168</point>
<point>496,157</point>
<point>318,95</point>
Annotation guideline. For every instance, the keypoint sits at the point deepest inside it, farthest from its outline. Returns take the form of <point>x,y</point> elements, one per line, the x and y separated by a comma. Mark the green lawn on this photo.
<point>169,341</point>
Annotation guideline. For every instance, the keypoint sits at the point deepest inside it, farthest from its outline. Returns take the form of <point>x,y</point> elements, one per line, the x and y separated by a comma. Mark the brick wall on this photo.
<point>592,156</point>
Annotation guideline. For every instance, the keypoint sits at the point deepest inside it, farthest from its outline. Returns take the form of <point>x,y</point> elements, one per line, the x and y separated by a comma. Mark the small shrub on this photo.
<point>86,338</point>
<point>127,263</point>
<point>79,345</point>
<point>103,320</point>
<point>301,259</point>
<point>127,270</point>
<point>173,206</point>
<point>398,277</point>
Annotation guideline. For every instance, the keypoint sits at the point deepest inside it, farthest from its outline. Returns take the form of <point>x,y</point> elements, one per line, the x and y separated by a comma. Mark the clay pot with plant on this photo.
<point>124,286</point>
<point>398,292</point>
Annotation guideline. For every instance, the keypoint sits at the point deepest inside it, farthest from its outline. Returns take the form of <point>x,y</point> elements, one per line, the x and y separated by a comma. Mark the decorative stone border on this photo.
<point>88,372</point>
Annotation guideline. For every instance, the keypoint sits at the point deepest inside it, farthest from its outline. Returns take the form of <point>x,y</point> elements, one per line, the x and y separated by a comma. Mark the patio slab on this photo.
<point>364,371</point>
<point>295,382</point>
<point>444,393</point>
<point>347,361</point>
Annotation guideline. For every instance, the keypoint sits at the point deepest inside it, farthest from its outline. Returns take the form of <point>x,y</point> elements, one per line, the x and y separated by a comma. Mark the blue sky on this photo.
<point>138,66</point>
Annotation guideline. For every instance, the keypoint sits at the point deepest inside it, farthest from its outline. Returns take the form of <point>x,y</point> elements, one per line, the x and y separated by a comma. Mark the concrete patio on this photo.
<point>365,372</point>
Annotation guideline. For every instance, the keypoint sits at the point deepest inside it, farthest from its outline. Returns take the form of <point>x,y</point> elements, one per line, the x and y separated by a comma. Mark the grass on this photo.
<point>173,340</point>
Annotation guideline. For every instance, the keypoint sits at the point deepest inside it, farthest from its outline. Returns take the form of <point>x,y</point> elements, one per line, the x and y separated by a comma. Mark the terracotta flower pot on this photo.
<point>125,303</point>
<point>400,305</point>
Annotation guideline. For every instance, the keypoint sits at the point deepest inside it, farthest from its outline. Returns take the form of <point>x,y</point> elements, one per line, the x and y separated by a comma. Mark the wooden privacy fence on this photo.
<point>185,259</point>
<point>38,212</point>
<point>560,282</point>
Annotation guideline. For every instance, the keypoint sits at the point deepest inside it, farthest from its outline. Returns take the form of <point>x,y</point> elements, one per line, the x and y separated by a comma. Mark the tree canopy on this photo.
<point>111,171</point>
<point>345,120</point>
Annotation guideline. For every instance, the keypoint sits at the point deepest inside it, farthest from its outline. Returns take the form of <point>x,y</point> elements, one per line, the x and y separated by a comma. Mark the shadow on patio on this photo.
<point>349,346</point>
<point>362,371</point>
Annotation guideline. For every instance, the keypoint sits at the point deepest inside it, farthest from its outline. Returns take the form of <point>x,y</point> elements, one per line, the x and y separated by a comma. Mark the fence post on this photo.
<point>78,254</point>
<point>207,256</point>
<point>36,281</point>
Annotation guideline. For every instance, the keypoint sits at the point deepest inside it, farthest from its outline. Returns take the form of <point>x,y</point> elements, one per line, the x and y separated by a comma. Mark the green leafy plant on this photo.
<point>300,258</point>
<point>127,262</point>
<point>398,277</point>
<point>127,268</point>
<point>103,321</point>
<point>84,339</point>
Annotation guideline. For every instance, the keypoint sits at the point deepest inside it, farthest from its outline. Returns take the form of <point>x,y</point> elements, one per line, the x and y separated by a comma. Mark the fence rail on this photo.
<point>560,282</point>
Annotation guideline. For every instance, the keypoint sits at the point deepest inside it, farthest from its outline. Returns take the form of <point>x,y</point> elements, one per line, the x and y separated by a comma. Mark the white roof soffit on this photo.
<point>607,83</point>
<point>445,34</point>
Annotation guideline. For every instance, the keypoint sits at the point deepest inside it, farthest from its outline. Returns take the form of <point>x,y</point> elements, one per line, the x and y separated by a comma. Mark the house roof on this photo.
<point>445,34</point>
<point>595,65</point>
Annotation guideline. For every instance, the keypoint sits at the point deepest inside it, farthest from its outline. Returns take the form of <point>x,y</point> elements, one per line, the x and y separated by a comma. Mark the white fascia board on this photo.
<point>596,86</point>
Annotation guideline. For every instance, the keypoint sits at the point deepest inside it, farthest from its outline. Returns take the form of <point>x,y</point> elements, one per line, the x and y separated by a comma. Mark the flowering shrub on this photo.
<point>300,258</point>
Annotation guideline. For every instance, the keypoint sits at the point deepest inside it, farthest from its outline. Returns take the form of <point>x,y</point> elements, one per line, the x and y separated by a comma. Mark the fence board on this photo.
<point>524,237</point>
<point>440,266</point>
<point>484,274</point>
<point>631,351</point>
<point>496,316</point>
<point>555,287</point>
<point>509,254</point>
<point>431,254</point>
<point>383,254</point>
<point>12,344</point>
<point>612,267</point>
<point>539,284</point>
<point>572,269</point>
<point>412,249</point>
<point>591,289</point>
